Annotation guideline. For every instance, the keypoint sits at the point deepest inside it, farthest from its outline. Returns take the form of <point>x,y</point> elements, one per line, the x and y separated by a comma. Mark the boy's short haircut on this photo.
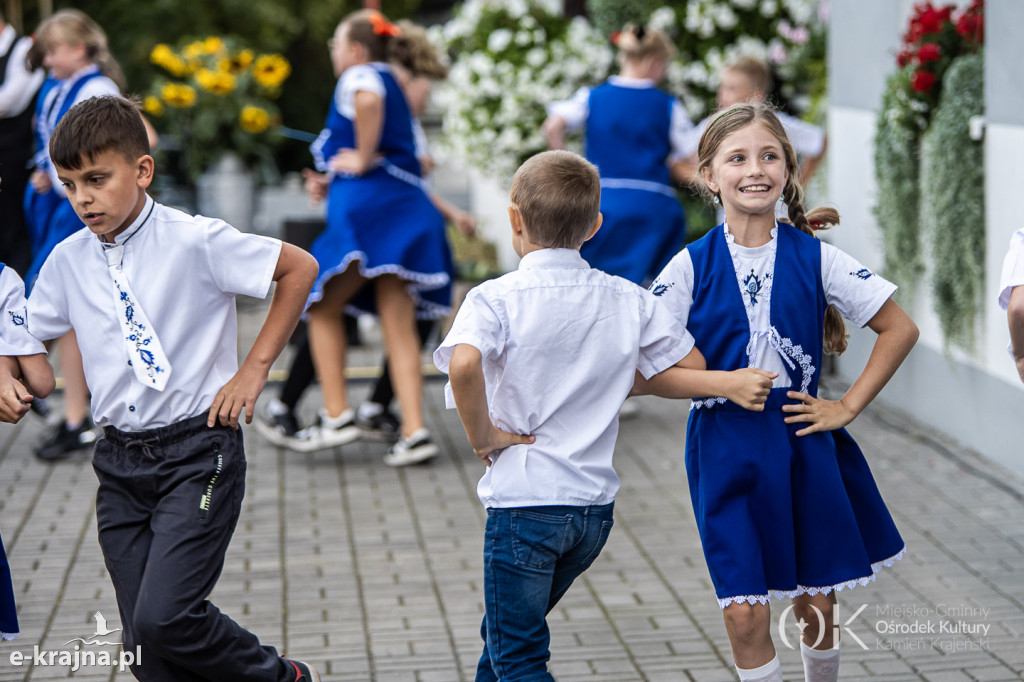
<point>558,194</point>
<point>757,72</point>
<point>98,125</point>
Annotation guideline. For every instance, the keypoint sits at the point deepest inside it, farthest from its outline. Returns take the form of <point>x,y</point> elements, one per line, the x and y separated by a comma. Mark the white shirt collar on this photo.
<point>553,258</point>
<point>625,82</point>
<point>81,73</point>
<point>137,224</point>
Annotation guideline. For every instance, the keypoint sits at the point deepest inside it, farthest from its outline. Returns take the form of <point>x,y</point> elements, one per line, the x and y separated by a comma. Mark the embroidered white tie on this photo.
<point>145,353</point>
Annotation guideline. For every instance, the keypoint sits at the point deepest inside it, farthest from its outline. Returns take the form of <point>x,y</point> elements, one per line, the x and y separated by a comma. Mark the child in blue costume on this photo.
<point>74,49</point>
<point>633,133</point>
<point>784,500</point>
<point>24,374</point>
<point>381,228</point>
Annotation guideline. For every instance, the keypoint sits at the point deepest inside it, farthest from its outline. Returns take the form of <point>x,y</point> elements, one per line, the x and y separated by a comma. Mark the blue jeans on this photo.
<point>531,557</point>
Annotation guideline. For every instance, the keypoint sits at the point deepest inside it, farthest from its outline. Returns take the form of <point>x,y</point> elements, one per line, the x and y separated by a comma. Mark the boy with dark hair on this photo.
<point>151,293</point>
<point>553,350</point>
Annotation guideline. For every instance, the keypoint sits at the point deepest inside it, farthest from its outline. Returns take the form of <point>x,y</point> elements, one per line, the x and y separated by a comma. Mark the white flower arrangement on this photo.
<point>511,57</point>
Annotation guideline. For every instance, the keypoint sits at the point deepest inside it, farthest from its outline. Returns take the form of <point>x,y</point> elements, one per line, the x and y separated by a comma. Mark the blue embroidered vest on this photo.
<point>627,134</point>
<point>397,141</point>
<point>718,319</point>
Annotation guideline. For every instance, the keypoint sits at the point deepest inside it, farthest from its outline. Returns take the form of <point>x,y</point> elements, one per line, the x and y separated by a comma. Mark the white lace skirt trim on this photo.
<point>813,591</point>
<point>8,636</point>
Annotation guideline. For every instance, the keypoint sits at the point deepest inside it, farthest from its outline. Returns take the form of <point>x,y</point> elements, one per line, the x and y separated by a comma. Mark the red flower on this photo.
<point>904,56</point>
<point>970,27</point>
<point>928,52</point>
<point>930,21</point>
<point>922,81</point>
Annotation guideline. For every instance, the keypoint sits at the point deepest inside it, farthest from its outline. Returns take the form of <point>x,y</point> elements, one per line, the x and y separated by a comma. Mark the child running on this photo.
<point>784,500</point>
<point>633,132</point>
<point>153,292</point>
<point>552,350</point>
<point>381,228</point>
<point>24,376</point>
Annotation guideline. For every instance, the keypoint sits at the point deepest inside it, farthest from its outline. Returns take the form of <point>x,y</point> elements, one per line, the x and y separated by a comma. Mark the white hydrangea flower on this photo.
<point>769,8</point>
<point>499,40</point>
<point>725,17</point>
<point>663,19</point>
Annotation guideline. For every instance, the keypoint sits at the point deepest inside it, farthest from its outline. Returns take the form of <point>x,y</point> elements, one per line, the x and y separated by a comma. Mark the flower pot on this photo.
<point>227,190</point>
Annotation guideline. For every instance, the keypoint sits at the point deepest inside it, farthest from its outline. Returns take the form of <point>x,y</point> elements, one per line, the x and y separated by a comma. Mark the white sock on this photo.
<point>820,666</point>
<point>769,672</point>
<point>329,422</point>
<point>370,410</point>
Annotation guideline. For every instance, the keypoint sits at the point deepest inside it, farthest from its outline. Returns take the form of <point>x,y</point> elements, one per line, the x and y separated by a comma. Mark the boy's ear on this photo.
<point>516,219</point>
<point>146,168</point>
<point>596,227</point>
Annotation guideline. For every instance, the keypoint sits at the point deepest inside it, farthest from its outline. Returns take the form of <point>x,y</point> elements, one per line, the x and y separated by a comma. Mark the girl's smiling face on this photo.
<point>748,171</point>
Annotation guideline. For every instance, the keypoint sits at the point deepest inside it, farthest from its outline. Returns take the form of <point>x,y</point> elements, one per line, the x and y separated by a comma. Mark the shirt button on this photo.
<point>131,408</point>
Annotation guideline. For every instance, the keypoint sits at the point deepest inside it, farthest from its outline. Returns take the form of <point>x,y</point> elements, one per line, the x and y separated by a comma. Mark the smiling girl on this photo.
<point>784,500</point>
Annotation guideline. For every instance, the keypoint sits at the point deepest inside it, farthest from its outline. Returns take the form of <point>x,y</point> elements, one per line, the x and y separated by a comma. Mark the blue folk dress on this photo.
<point>50,216</point>
<point>383,220</point>
<point>778,515</point>
<point>627,138</point>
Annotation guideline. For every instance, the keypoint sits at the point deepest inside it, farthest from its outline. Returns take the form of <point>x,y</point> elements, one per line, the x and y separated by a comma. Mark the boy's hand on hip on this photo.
<point>822,415</point>
<point>238,394</point>
<point>749,387</point>
<point>497,441</point>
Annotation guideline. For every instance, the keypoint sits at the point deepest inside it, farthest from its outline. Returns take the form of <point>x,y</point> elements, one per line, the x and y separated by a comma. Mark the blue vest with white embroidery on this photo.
<point>633,119</point>
<point>397,141</point>
<point>718,319</point>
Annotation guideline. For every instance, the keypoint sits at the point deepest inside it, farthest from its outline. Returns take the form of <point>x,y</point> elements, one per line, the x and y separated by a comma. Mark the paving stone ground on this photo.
<point>375,573</point>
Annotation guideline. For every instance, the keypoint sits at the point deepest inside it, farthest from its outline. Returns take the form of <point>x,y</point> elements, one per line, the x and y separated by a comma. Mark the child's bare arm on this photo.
<point>747,387</point>
<point>553,129</point>
<point>37,374</point>
<point>14,399</point>
<point>897,334</point>
<point>465,371</point>
<point>295,273</point>
<point>1015,318</point>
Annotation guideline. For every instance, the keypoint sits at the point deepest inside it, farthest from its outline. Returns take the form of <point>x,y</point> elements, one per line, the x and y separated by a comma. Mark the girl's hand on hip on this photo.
<point>821,415</point>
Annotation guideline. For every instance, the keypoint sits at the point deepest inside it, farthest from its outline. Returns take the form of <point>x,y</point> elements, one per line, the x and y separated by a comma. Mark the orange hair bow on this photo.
<point>383,27</point>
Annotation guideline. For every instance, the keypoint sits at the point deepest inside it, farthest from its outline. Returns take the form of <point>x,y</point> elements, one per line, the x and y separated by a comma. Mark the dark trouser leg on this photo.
<point>300,375</point>
<point>197,485</point>
<point>531,557</point>
<point>15,245</point>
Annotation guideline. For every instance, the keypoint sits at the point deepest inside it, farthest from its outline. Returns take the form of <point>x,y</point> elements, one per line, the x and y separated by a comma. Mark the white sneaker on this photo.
<point>329,432</point>
<point>412,450</point>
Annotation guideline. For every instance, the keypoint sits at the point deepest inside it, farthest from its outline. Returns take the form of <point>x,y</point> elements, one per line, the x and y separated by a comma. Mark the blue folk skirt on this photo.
<point>779,515</point>
<point>641,232</point>
<point>386,226</point>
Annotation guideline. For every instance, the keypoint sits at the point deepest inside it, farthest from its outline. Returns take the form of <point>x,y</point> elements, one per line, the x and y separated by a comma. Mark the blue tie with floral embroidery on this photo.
<point>146,355</point>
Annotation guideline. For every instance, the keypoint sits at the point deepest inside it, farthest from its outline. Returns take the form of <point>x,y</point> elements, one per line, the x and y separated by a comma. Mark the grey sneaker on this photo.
<point>412,450</point>
<point>328,432</point>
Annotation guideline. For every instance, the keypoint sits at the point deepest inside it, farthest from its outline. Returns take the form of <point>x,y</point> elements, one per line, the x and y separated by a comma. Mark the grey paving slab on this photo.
<point>375,574</point>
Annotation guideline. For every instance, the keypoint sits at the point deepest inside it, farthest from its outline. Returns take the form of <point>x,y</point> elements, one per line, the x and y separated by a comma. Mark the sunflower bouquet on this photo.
<point>216,95</point>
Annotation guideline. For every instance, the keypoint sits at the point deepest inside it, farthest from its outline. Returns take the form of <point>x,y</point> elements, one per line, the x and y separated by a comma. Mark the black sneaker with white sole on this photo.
<point>304,672</point>
<point>412,450</point>
<point>328,432</point>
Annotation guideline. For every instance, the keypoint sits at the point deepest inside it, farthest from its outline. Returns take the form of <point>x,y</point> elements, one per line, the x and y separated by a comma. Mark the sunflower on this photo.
<point>217,82</point>
<point>153,106</point>
<point>254,119</point>
<point>270,70</point>
<point>178,95</point>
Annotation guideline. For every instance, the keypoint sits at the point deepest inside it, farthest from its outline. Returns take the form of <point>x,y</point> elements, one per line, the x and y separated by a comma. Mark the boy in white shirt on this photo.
<point>150,292</point>
<point>553,350</point>
<point>24,373</point>
<point>1011,297</point>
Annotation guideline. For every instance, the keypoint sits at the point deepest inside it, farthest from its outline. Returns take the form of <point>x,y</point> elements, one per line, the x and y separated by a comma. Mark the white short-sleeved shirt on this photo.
<point>1013,272</point>
<point>855,291</point>
<point>356,78</point>
<point>561,343</point>
<point>18,85</point>
<point>13,339</point>
<point>185,272</point>
<point>576,109</point>
<point>807,139</point>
